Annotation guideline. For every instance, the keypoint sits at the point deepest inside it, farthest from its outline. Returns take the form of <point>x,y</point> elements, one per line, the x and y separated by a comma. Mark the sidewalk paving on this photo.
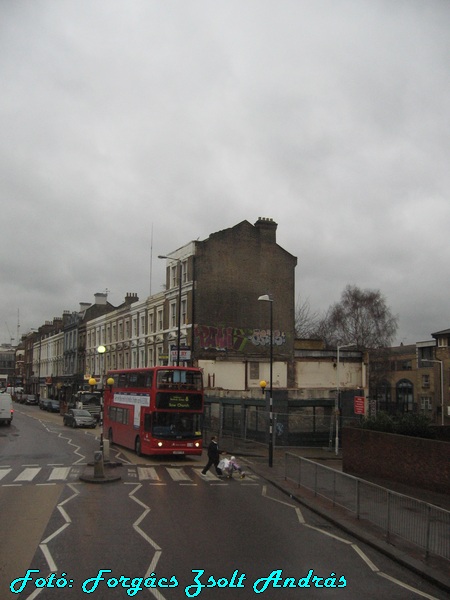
<point>433,569</point>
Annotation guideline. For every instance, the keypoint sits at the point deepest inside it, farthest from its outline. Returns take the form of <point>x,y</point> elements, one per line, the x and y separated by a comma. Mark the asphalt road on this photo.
<point>164,525</point>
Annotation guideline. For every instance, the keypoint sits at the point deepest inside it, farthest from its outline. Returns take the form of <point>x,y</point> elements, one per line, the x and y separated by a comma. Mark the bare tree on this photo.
<point>307,322</point>
<point>362,317</point>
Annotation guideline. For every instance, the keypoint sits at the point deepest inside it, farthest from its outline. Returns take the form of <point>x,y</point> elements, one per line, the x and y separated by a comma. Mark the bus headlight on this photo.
<point>160,444</point>
<point>197,444</point>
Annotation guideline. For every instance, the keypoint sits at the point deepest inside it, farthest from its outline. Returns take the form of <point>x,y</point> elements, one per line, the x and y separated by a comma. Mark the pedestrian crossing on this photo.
<point>151,475</point>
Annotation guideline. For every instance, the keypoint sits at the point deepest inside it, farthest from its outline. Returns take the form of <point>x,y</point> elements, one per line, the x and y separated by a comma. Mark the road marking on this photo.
<point>59,473</point>
<point>406,586</point>
<point>331,535</point>
<point>356,548</point>
<point>28,474</point>
<point>366,559</point>
<point>4,472</point>
<point>43,545</point>
<point>158,551</point>
<point>145,473</point>
<point>178,474</point>
<point>208,475</point>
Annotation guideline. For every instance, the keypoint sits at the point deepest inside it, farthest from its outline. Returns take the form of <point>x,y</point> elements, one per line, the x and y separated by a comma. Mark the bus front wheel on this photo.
<point>137,446</point>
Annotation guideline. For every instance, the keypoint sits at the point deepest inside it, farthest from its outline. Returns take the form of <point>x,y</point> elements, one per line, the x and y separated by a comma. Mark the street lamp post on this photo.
<point>101,350</point>
<point>267,298</point>
<point>179,305</point>
<point>337,403</point>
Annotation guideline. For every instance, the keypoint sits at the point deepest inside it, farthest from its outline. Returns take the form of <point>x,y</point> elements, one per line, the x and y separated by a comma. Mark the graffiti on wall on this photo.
<point>209,337</point>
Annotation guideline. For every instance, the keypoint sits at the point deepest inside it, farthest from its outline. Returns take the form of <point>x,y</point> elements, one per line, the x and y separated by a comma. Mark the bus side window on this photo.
<point>147,422</point>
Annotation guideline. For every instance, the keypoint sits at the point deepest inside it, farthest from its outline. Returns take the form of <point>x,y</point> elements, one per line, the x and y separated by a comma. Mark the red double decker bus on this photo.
<point>156,410</point>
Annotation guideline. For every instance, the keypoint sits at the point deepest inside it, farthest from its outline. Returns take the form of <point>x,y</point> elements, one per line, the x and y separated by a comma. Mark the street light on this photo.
<point>267,298</point>
<point>441,363</point>
<point>101,350</point>
<point>337,403</point>
<point>179,305</point>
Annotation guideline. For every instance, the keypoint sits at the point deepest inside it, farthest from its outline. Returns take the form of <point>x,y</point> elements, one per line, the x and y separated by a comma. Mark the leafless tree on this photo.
<point>362,317</point>
<point>307,322</point>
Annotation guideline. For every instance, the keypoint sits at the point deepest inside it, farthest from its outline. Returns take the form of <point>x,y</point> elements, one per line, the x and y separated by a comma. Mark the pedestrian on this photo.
<point>213,457</point>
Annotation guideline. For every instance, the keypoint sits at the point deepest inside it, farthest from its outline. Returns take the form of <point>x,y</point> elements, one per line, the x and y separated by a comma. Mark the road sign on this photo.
<point>358,405</point>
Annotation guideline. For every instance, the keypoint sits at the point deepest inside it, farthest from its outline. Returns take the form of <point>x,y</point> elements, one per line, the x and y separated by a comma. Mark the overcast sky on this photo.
<point>121,118</point>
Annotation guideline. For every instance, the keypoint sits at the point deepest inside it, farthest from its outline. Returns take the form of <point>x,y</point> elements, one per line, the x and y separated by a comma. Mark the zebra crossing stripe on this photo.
<point>4,472</point>
<point>28,474</point>
<point>147,473</point>
<point>59,473</point>
<point>153,475</point>
<point>178,474</point>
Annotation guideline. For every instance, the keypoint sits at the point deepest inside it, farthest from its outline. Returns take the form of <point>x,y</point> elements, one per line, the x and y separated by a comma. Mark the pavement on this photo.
<point>255,458</point>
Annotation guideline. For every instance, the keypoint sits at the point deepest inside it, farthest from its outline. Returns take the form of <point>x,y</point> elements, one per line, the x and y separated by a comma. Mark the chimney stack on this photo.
<point>267,229</point>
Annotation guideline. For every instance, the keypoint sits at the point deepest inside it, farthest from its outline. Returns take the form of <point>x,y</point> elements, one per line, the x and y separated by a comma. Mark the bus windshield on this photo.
<point>173,425</point>
<point>179,378</point>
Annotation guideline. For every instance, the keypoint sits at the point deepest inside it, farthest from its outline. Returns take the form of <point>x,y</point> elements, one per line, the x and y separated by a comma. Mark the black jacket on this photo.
<point>213,450</point>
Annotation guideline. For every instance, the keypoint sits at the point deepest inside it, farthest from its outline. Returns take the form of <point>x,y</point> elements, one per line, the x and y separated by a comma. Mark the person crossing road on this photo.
<point>213,457</point>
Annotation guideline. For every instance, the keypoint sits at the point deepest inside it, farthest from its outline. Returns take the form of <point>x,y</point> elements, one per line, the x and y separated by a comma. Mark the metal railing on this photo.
<point>419,523</point>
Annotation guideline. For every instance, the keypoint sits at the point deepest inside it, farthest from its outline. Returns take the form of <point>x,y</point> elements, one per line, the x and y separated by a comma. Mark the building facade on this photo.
<point>414,378</point>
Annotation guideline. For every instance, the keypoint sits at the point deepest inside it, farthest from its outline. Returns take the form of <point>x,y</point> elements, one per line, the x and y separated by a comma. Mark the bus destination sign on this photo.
<point>173,401</point>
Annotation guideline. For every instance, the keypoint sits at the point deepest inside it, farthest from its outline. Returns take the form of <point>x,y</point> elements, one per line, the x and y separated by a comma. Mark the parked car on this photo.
<point>42,403</point>
<point>31,399</point>
<point>52,406</point>
<point>76,417</point>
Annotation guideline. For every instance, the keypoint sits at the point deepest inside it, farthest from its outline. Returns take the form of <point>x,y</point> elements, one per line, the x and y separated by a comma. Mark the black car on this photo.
<point>52,406</point>
<point>31,399</point>
<point>77,417</point>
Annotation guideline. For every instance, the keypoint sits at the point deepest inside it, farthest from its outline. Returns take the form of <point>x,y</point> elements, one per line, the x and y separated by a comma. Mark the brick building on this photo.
<point>233,268</point>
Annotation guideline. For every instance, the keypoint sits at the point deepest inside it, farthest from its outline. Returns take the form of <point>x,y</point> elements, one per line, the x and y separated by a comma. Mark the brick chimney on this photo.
<point>267,229</point>
<point>131,297</point>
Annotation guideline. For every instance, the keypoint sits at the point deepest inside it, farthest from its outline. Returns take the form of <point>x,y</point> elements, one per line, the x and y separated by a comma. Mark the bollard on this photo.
<point>99,470</point>
<point>105,450</point>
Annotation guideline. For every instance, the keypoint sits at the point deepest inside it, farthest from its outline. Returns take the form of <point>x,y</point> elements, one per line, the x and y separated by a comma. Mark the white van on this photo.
<point>6,408</point>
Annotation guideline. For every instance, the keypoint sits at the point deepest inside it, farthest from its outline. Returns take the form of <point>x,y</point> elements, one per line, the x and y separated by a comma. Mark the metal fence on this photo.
<point>296,428</point>
<point>424,525</point>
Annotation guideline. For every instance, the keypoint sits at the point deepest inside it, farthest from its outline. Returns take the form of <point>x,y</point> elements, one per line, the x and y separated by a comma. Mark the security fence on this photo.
<point>307,428</point>
<point>424,525</point>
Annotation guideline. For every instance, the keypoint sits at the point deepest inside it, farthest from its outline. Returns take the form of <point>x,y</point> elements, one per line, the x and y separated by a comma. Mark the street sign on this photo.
<point>185,353</point>
<point>358,405</point>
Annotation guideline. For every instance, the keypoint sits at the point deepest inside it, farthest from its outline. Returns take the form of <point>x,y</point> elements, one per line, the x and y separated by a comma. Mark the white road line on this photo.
<point>145,473</point>
<point>4,472</point>
<point>43,545</point>
<point>178,474</point>
<point>356,548</point>
<point>208,476</point>
<point>366,559</point>
<point>158,550</point>
<point>59,473</point>
<point>28,474</point>
<point>407,587</point>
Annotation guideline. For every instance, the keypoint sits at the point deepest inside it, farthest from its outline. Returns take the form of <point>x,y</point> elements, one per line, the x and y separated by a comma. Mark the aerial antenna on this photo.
<point>151,260</point>
<point>18,325</point>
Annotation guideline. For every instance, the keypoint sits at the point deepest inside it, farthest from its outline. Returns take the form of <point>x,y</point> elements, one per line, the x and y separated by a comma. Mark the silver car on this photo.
<point>76,417</point>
